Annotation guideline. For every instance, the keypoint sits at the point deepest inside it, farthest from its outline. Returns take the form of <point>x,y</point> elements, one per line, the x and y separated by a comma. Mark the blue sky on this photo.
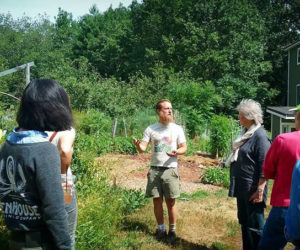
<point>32,8</point>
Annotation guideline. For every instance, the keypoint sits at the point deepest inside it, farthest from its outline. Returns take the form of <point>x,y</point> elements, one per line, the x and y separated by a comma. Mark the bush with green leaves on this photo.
<point>8,119</point>
<point>216,176</point>
<point>220,135</point>
<point>94,122</point>
<point>133,200</point>
<point>122,145</point>
<point>194,99</point>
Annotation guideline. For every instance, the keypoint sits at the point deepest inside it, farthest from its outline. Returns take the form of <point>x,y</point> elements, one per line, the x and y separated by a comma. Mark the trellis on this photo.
<point>16,69</point>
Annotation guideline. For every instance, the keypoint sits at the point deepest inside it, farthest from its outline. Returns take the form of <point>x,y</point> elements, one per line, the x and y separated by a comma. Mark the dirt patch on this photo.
<point>130,171</point>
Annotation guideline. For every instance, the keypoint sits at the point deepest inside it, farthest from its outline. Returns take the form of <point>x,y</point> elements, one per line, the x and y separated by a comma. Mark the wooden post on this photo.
<point>27,74</point>
<point>18,68</point>
<point>114,128</point>
<point>231,135</point>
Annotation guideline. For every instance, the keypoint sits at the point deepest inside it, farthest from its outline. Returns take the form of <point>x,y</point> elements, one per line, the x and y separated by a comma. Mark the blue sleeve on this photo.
<point>293,214</point>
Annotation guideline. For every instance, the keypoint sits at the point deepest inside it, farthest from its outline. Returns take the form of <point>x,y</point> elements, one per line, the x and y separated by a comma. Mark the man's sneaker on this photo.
<point>160,235</point>
<point>172,238</point>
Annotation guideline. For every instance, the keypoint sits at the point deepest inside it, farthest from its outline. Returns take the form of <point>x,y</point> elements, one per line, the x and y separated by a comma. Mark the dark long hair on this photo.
<point>45,106</point>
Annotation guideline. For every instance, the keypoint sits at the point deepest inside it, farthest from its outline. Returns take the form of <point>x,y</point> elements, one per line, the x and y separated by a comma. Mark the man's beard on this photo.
<point>167,118</point>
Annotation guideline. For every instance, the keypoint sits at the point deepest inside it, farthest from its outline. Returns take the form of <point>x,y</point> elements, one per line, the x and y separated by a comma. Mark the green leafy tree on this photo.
<point>195,101</point>
<point>102,39</point>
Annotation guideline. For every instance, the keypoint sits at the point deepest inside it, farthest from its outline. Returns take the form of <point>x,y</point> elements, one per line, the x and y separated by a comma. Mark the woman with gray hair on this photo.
<point>247,182</point>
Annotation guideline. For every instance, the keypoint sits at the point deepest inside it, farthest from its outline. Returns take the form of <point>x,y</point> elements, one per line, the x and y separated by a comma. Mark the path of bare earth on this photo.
<point>130,171</point>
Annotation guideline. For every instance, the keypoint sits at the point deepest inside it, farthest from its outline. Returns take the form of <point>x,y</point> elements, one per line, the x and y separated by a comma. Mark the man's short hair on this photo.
<point>45,106</point>
<point>158,105</point>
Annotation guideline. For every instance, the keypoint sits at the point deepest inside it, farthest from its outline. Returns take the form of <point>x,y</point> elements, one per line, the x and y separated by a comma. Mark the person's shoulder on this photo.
<point>175,125</point>
<point>261,136</point>
<point>261,132</point>
<point>70,132</point>
<point>288,136</point>
<point>154,126</point>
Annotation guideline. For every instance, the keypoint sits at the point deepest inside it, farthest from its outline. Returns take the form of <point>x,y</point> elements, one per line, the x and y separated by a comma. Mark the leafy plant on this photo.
<point>95,123</point>
<point>220,135</point>
<point>133,200</point>
<point>194,99</point>
<point>216,176</point>
<point>122,145</point>
<point>8,119</point>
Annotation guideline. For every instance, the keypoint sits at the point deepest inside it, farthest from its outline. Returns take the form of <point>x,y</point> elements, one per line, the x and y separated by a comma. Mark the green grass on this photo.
<point>200,194</point>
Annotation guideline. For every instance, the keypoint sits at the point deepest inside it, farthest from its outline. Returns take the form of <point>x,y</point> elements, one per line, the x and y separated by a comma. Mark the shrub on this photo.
<point>216,176</point>
<point>123,145</point>
<point>95,122</point>
<point>8,119</point>
<point>220,135</point>
<point>194,99</point>
<point>133,200</point>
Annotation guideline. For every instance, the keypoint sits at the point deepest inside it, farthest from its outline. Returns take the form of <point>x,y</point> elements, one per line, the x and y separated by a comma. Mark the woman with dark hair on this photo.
<point>30,174</point>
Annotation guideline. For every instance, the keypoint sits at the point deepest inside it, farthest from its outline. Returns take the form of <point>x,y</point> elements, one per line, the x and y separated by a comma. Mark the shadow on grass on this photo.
<point>130,225</point>
<point>184,244</point>
<point>180,243</point>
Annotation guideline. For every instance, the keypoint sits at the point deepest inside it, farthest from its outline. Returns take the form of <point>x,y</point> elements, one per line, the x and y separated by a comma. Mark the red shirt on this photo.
<point>279,164</point>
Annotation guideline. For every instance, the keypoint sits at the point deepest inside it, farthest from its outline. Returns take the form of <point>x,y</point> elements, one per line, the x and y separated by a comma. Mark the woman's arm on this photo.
<point>258,195</point>
<point>65,147</point>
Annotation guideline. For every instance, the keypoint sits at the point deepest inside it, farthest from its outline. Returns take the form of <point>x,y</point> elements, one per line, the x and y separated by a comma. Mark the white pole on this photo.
<point>27,74</point>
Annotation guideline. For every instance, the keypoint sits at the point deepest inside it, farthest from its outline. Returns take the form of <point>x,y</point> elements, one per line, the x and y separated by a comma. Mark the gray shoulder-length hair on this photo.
<point>251,110</point>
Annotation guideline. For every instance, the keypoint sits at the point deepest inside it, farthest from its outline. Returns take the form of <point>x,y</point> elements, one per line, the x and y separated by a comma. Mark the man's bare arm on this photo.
<point>141,146</point>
